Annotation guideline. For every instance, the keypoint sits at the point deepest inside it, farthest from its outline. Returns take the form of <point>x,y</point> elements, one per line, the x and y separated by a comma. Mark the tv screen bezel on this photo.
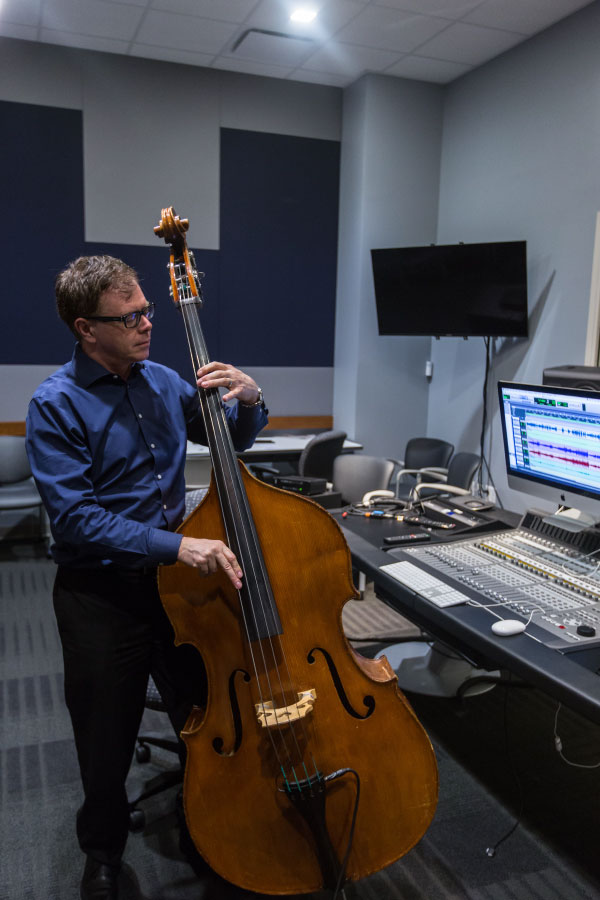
<point>503,327</point>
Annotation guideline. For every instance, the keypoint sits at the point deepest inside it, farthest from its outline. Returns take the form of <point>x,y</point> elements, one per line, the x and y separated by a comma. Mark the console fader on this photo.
<point>531,575</point>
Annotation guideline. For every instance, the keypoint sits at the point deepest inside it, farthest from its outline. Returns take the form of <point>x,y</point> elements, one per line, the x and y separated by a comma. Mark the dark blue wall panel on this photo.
<point>279,215</point>
<point>41,226</point>
<point>269,292</point>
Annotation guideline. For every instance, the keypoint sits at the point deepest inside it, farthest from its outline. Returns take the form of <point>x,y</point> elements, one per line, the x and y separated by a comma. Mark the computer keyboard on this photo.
<point>423,583</point>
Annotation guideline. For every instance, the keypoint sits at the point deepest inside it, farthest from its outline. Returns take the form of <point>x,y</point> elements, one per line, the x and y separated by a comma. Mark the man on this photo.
<point>106,437</point>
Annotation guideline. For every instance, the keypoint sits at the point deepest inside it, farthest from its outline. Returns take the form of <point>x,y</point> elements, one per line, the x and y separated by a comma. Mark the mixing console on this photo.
<point>536,578</point>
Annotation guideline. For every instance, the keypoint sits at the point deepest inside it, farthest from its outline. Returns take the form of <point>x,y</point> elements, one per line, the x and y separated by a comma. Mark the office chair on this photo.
<point>457,480</point>
<point>430,454</point>
<point>17,487</point>
<point>316,460</point>
<point>355,474</point>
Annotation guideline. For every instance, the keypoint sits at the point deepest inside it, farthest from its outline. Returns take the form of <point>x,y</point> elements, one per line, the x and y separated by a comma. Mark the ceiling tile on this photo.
<point>272,49</point>
<point>92,17</point>
<point>333,15</point>
<point>446,9</point>
<point>171,54</point>
<point>344,59</point>
<point>386,28</point>
<point>436,70</point>
<point>184,32</point>
<point>469,44</point>
<point>526,18</point>
<point>432,40</point>
<point>251,68</point>
<point>320,78</point>
<point>84,41</point>
<point>222,10</point>
<point>21,12</point>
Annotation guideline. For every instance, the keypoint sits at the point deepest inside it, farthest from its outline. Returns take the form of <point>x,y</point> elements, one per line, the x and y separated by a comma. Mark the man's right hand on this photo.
<point>208,556</point>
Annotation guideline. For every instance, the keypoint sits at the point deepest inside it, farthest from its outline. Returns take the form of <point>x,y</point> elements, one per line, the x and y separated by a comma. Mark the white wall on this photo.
<point>391,144</point>
<point>520,160</point>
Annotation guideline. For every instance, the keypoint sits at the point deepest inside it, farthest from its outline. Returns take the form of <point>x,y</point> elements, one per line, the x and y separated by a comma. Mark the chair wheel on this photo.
<point>137,820</point>
<point>142,753</point>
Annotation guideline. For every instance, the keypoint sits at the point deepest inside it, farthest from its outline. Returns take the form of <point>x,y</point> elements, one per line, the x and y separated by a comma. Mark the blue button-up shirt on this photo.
<point>108,458</point>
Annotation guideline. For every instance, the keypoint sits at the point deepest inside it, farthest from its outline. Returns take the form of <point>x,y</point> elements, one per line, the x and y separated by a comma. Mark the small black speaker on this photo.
<point>583,377</point>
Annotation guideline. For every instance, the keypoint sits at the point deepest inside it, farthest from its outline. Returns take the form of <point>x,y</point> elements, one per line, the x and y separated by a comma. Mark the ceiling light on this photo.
<point>303,14</point>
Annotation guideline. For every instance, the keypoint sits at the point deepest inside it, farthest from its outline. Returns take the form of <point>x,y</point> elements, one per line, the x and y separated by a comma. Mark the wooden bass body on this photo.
<point>350,714</point>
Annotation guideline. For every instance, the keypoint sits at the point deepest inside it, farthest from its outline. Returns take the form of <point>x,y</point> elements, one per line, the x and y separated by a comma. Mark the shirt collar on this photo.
<point>87,370</point>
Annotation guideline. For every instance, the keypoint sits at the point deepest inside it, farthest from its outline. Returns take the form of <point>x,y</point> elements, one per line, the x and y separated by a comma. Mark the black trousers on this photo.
<point>114,633</point>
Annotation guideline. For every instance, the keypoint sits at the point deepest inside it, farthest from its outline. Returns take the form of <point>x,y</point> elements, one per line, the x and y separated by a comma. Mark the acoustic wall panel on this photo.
<point>278,257</point>
<point>269,291</point>
<point>41,226</point>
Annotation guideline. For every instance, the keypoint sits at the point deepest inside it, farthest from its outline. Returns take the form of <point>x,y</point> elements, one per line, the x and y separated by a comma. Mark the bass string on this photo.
<point>214,414</point>
<point>216,424</point>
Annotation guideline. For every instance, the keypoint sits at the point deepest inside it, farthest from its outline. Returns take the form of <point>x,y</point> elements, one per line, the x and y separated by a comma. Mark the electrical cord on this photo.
<point>559,747</point>
<point>476,603</point>
<point>482,460</point>
<point>483,463</point>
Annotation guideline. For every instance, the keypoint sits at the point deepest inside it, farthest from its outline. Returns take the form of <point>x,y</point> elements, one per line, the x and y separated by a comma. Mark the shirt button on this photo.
<point>159,477</point>
<point>164,505</point>
<point>115,377</point>
<point>153,446</point>
<point>140,416</point>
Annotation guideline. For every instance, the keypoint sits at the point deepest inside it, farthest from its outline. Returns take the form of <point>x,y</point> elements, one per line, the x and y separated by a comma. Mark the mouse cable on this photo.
<point>558,745</point>
<point>477,604</point>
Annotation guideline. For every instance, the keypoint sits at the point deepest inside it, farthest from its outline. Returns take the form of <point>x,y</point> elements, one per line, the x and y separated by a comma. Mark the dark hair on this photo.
<point>81,284</point>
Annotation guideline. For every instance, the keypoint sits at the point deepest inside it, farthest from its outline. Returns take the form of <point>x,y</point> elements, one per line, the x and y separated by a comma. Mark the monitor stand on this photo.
<point>571,519</point>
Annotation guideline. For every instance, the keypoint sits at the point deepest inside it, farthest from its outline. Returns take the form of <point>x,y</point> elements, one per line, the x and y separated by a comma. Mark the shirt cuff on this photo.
<point>164,545</point>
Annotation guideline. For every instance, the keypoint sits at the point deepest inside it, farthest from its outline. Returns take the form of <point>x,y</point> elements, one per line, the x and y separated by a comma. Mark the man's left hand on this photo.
<point>238,385</point>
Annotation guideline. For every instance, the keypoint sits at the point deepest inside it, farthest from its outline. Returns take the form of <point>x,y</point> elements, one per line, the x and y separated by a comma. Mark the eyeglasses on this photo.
<point>129,320</point>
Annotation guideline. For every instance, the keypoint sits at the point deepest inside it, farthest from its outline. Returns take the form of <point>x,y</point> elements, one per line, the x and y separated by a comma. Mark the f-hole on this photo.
<point>235,715</point>
<point>368,700</point>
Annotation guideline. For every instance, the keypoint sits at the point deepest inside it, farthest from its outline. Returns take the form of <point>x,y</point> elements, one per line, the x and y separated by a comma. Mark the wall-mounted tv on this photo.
<point>454,290</point>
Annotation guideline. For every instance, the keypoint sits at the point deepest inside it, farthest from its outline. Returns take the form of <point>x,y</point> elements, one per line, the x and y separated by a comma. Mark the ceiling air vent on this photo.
<point>271,47</point>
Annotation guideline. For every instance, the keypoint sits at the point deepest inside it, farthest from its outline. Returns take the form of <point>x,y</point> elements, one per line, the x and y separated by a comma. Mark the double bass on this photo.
<point>307,767</point>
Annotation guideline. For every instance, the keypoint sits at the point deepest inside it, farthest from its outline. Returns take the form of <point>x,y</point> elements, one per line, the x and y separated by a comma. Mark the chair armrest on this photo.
<point>373,495</point>
<point>440,488</point>
<point>438,472</point>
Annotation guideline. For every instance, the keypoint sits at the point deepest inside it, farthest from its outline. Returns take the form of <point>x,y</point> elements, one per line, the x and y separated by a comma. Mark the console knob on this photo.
<point>586,630</point>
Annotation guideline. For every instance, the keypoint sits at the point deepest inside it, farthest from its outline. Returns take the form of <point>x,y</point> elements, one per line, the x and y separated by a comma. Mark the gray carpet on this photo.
<point>40,791</point>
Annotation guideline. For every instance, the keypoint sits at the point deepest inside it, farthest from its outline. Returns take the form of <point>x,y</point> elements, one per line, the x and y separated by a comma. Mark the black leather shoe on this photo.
<point>99,881</point>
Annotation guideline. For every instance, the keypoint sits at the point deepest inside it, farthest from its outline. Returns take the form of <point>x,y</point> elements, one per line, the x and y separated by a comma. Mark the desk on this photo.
<point>279,447</point>
<point>569,677</point>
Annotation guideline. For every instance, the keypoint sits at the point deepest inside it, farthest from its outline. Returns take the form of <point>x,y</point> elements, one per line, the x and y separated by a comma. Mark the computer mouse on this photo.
<point>506,627</point>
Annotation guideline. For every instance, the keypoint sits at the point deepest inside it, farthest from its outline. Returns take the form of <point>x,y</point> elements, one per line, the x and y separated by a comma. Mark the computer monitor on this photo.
<point>552,447</point>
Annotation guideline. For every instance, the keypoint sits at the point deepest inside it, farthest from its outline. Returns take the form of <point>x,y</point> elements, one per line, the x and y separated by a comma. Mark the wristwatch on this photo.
<point>259,402</point>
